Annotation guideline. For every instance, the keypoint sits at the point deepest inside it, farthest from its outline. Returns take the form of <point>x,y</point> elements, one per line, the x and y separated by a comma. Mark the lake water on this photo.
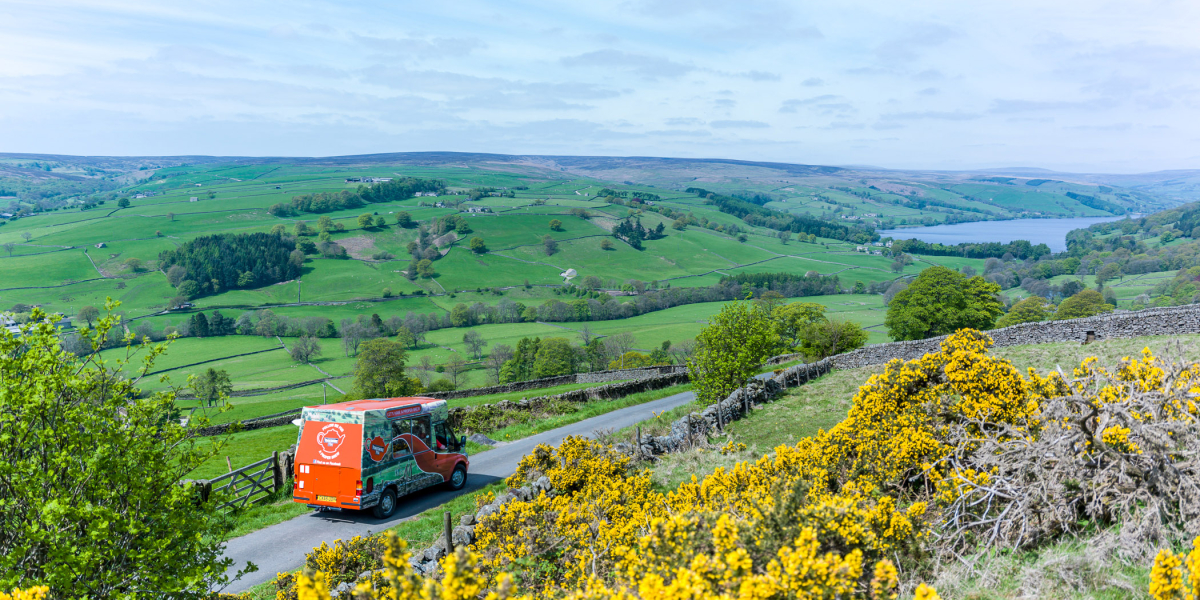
<point>1052,232</point>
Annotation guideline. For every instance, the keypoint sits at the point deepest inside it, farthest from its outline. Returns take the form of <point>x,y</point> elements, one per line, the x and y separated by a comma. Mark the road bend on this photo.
<point>281,547</point>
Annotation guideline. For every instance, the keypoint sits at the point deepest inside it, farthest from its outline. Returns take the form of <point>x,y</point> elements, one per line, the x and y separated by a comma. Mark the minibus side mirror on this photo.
<point>462,443</point>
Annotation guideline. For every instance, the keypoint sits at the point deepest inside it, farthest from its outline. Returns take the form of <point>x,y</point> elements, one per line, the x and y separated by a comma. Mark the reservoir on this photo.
<point>1052,232</point>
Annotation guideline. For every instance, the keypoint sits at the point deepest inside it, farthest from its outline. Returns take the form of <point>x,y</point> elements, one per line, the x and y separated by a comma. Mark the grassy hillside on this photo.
<point>55,261</point>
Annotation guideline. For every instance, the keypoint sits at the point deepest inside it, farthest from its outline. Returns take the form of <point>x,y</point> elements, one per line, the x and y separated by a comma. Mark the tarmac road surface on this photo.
<point>281,547</point>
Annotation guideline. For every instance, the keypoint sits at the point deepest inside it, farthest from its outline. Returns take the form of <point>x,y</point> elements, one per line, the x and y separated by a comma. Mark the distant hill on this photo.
<point>960,195</point>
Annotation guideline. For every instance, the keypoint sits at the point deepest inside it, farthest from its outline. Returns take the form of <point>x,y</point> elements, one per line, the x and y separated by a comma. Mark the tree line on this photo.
<point>1020,249</point>
<point>388,191</point>
<point>596,306</point>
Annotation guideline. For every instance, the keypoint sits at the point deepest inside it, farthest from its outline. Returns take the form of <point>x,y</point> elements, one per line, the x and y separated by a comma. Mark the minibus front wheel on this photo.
<point>459,478</point>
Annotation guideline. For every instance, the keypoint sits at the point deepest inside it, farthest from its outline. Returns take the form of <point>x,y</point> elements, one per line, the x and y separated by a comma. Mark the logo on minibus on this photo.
<point>403,411</point>
<point>377,448</point>
<point>329,440</point>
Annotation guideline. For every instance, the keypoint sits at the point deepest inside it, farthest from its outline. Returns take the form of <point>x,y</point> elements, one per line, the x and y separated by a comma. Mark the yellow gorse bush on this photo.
<point>1168,581</point>
<point>824,518</point>
<point>33,593</point>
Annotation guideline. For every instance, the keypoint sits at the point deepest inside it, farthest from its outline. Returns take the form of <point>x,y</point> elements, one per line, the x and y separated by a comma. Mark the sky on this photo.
<point>1083,86</point>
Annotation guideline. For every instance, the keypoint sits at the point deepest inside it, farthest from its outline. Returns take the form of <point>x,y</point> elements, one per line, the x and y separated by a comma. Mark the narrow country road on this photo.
<point>282,547</point>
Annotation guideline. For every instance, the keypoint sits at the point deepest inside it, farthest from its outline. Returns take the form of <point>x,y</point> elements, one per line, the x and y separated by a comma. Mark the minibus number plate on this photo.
<point>326,499</point>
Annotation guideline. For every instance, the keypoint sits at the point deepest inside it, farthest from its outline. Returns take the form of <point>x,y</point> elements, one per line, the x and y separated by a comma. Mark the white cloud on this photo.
<point>1080,86</point>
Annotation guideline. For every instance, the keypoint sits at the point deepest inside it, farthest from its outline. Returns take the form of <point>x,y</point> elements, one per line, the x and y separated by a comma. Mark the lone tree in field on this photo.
<point>606,244</point>
<point>89,314</point>
<point>454,368</point>
<point>475,343</point>
<point>89,491</point>
<point>304,349</point>
<point>25,235</point>
<point>478,246</point>
<point>555,225</point>
<point>549,245</point>
<point>731,348</point>
<point>379,370</point>
<point>212,386</point>
<point>941,301</point>
<point>123,203</point>
<point>9,247</point>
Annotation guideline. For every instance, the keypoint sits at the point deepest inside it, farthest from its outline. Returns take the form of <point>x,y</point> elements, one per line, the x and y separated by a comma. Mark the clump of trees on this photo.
<point>633,233</point>
<point>214,263</point>
<point>731,349</point>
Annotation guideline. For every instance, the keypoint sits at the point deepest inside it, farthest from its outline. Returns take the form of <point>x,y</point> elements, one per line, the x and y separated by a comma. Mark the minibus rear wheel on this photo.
<point>387,504</point>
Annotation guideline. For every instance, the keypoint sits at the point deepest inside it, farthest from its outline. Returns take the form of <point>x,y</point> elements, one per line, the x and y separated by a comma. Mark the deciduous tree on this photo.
<point>475,343</point>
<point>304,349</point>
<point>1087,303</point>
<point>940,301</point>
<point>89,487</point>
<point>212,386</point>
<point>731,348</point>
<point>831,336</point>
<point>555,356</point>
<point>379,371</point>
<point>555,225</point>
<point>1028,310</point>
<point>89,314</point>
<point>500,354</point>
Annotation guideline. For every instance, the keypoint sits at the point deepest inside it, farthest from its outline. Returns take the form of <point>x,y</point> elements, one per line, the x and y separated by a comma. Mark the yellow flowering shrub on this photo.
<point>753,528</point>
<point>1168,580</point>
<point>33,593</point>
<point>341,562</point>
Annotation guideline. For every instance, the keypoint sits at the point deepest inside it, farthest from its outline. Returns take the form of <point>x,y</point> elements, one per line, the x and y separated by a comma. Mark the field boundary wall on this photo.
<point>1169,320</point>
<point>594,377</point>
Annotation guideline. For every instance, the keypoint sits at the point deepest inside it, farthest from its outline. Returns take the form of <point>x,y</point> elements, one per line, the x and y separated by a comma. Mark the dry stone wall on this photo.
<point>596,377</point>
<point>1152,321</point>
<point>461,416</point>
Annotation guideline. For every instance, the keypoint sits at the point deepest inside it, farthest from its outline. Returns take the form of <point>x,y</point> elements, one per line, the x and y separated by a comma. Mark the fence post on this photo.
<point>639,441</point>
<point>449,531</point>
<point>277,477</point>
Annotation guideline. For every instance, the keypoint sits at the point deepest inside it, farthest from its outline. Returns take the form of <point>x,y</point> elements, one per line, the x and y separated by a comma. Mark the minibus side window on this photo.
<point>420,430</point>
<point>441,435</point>
<point>399,444</point>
